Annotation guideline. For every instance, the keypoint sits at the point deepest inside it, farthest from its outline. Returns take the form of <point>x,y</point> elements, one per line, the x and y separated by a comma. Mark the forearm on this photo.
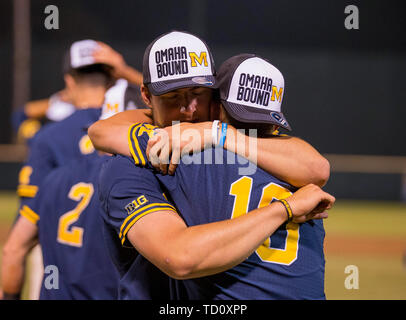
<point>36,109</point>
<point>287,158</point>
<point>212,248</point>
<point>22,238</point>
<point>111,135</point>
<point>13,269</point>
<point>131,75</point>
<point>12,275</point>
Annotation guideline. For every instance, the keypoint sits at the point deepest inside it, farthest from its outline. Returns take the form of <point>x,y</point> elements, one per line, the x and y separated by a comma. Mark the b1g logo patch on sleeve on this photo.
<point>135,204</point>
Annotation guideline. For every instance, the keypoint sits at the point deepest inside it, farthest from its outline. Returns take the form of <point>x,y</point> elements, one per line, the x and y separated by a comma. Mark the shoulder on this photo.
<point>121,172</point>
<point>117,169</point>
<point>50,132</point>
<point>82,118</point>
<point>46,133</point>
<point>116,166</point>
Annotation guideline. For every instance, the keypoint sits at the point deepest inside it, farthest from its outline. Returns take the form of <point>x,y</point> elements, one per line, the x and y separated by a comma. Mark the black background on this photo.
<point>345,89</point>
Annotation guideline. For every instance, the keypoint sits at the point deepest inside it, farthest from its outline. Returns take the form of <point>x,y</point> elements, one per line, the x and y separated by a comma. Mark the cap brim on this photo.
<point>159,88</point>
<point>255,115</point>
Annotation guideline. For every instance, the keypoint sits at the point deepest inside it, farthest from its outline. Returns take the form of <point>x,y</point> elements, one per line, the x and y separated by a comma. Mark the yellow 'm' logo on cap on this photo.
<point>276,93</point>
<point>195,59</point>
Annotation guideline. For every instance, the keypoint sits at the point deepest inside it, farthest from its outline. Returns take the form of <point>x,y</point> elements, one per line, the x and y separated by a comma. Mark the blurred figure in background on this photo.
<point>64,218</point>
<point>89,88</point>
<point>35,114</point>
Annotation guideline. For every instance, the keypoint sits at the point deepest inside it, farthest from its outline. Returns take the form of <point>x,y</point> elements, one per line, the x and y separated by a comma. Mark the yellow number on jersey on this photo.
<point>24,188</point>
<point>86,145</point>
<point>241,189</point>
<point>24,175</point>
<point>81,192</point>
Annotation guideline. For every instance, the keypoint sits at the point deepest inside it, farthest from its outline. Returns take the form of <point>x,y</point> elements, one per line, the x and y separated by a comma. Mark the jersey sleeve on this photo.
<point>127,194</point>
<point>37,167</point>
<point>29,213</point>
<point>30,207</point>
<point>138,136</point>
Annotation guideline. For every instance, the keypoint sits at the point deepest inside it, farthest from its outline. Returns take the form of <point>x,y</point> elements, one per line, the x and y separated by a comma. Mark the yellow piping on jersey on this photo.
<point>143,208</point>
<point>29,214</point>
<point>28,191</point>
<point>131,134</point>
<point>137,146</point>
<point>169,208</point>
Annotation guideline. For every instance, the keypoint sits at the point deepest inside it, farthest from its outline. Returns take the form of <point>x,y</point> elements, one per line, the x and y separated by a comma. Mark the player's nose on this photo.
<point>188,110</point>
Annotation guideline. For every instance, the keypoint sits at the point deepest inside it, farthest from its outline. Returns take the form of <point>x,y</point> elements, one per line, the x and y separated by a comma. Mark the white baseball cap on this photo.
<point>80,54</point>
<point>252,89</point>
<point>177,60</point>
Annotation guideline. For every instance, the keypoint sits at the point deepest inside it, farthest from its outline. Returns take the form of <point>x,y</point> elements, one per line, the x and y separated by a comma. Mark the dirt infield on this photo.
<point>363,245</point>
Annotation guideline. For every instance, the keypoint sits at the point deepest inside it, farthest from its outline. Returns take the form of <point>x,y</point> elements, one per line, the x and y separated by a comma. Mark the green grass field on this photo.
<point>368,235</point>
<point>371,236</point>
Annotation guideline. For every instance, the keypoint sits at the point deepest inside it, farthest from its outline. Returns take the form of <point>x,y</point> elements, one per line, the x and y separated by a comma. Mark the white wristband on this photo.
<point>214,132</point>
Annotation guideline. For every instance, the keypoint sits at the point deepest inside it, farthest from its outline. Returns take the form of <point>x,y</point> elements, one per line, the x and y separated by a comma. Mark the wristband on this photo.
<point>223,134</point>
<point>214,132</point>
<point>288,209</point>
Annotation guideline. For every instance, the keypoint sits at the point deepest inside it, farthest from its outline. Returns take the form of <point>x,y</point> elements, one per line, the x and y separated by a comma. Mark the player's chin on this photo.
<point>194,120</point>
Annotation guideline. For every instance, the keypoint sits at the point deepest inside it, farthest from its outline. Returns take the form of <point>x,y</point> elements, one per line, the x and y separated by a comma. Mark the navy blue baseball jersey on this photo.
<point>55,145</point>
<point>119,181</point>
<point>288,265</point>
<point>67,213</point>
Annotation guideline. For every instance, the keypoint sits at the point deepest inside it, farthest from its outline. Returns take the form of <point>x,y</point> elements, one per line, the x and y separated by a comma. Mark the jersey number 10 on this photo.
<point>241,190</point>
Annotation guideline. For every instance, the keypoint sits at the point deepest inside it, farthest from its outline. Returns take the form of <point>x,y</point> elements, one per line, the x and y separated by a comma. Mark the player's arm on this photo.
<point>106,54</point>
<point>39,164</point>
<point>111,135</point>
<point>36,109</point>
<point>132,198</point>
<point>188,252</point>
<point>22,238</point>
<point>288,158</point>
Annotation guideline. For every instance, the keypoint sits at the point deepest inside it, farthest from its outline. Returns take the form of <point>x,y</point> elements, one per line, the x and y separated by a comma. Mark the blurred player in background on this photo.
<point>64,218</point>
<point>182,97</point>
<point>28,120</point>
<point>88,83</point>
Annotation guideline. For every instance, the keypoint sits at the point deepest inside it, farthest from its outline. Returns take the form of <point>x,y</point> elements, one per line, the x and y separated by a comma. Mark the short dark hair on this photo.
<point>95,74</point>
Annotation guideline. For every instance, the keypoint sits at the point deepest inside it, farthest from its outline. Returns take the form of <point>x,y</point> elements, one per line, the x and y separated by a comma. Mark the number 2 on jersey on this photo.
<point>241,190</point>
<point>81,192</point>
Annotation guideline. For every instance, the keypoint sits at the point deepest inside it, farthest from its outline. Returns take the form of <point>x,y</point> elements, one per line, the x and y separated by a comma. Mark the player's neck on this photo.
<point>89,97</point>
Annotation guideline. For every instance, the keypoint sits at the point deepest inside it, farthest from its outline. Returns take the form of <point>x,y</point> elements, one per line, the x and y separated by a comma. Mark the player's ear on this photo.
<point>214,110</point>
<point>146,95</point>
<point>222,114</point>
<point>69,81</point>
